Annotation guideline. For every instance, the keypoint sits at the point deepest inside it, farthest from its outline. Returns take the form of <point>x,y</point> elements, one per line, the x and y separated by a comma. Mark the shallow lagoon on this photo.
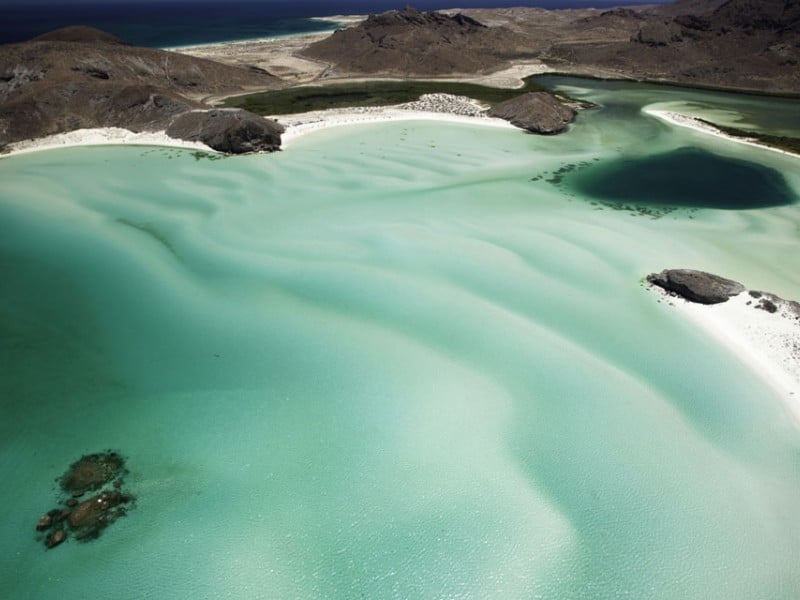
<point>399,360</point>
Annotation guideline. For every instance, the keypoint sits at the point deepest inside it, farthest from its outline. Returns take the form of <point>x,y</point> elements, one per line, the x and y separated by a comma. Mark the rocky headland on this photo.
<point>537,112</point>
<point>83,78</point>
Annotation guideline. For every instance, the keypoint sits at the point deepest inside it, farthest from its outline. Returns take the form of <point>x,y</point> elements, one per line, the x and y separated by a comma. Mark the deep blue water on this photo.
<point>176,23</point>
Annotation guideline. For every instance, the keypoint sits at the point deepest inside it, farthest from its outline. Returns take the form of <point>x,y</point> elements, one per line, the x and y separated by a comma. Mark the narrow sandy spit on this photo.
<point>105,136</point>
<point>690,122</point>
<point>767,343</point>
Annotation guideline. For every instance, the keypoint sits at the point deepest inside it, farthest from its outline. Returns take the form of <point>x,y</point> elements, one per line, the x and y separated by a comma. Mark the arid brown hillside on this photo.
<point>752,44</point>
<point>745,44</point>
<point>423,44</point>
<point>81,77</point>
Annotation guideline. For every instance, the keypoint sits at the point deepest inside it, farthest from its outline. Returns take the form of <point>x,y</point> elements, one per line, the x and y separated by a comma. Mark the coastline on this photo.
<point>682,120</point>
<point>767,343</point>
<point>302,124</point>
<point>101,136</point>
<point>336,22</point>
<point>297,125</point>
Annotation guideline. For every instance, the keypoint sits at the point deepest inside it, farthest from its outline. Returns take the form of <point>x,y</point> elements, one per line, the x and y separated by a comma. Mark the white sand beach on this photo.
<point>682,120</point>
<point>440,107</point>
<point>767,343</point>
<point>103,136</point>
<point>436,107</point>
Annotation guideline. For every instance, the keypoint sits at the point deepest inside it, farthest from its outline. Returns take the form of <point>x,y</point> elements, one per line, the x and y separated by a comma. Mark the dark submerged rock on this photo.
<point>91,472</point>
<point>45,522</point>
<point>55,538</point>
<point>91,516</point>
<point>233,131</point>
<point>696,286</point>
<point>537,112</point>
<point>102,473</point>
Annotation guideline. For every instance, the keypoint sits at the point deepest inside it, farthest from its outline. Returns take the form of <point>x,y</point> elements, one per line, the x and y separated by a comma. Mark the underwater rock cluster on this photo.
<point>100,474</point>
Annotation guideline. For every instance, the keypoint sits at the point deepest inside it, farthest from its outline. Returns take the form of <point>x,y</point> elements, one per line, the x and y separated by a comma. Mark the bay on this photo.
<point>396,360</point>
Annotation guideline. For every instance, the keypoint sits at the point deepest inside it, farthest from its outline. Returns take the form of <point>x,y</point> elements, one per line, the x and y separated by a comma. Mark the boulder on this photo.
<point>44,523</point>
<point>537,112</point>
<point>232,131</point>
<point>55,538</point>
<point>91,516</point>
<point>696,286</point>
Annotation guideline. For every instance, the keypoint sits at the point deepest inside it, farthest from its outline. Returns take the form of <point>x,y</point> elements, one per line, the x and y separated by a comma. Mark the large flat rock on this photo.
<point>696,286</point>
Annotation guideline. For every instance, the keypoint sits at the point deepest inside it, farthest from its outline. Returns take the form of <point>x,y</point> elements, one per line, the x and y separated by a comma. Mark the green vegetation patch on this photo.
<point>790,144</point>
<point>367,93</point>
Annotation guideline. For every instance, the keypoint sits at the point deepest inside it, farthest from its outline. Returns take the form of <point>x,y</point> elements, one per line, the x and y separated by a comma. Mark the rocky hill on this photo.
<point>752,44</point>
<point>81,77</point>
<point>412,43</point>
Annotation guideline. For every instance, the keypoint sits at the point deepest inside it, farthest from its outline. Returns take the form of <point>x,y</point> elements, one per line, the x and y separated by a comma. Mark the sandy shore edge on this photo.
<point>297,126</point>
<point>767,343</point>
<point>682,120</point>
<point>104,136</point>
<point>302,124</point>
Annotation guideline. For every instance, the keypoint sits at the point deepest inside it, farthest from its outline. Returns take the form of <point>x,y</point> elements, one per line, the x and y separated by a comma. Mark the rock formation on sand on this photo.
<point>696,286</point>
<point>537,112</point>
<point>85,520</point>
<point>706,288</point>
<point>80,77</point>
<point>230,130</point>
<point>412,43</point>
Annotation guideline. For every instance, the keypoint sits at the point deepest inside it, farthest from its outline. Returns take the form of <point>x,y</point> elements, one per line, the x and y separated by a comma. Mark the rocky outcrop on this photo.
<point>103,472</point>
<point>409,42</point>
<point>88,519</point>
<point>696,286</point>
<point>233,131</point>
<point>79,77</point>
<point>537,112</point>
<point>91,472</point>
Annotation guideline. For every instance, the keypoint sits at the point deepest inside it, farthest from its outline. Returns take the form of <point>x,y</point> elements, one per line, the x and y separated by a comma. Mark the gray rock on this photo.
<point>233,131</point>
<point>696,286</point>
<point>538,112</point>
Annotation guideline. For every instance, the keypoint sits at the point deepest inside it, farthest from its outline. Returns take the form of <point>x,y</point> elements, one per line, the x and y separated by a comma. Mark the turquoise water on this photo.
<point>398,360</point>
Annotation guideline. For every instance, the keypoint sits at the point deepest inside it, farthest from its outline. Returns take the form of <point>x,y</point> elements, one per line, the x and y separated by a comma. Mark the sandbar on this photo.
<point>767,343</point>
<point>682,120</point>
